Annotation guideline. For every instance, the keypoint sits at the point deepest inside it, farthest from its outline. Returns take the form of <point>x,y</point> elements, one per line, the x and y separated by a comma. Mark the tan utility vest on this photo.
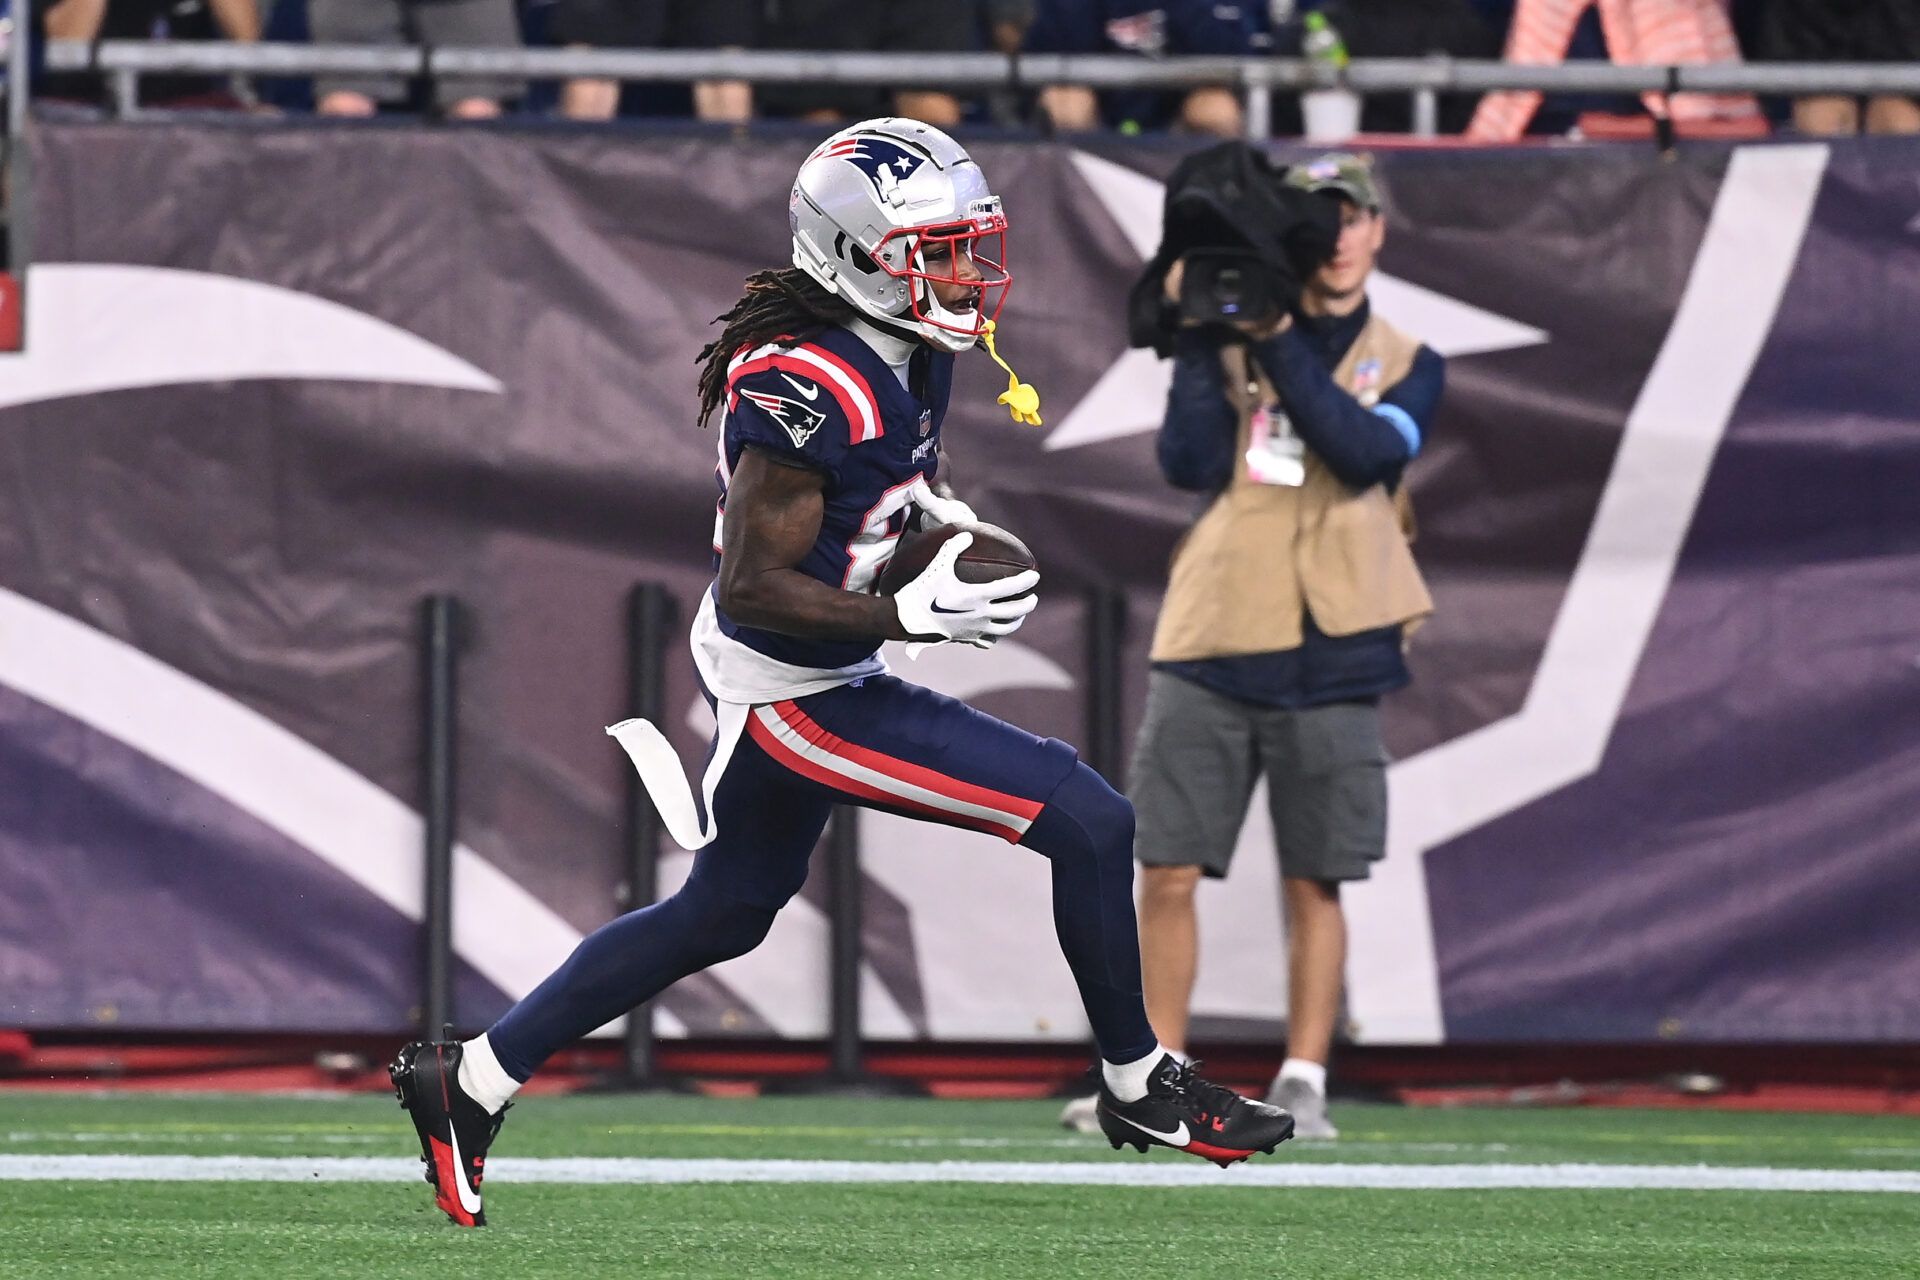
<point>1261,553</point>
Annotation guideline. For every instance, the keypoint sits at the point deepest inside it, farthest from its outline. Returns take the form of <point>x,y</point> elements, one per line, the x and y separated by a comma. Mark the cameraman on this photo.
<point>1284,621</point>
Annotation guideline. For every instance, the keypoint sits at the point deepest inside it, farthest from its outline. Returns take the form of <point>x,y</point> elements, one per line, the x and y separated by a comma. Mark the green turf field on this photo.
<point>357,1218</point>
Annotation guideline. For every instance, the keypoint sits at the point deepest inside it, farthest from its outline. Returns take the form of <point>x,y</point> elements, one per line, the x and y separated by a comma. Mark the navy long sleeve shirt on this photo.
<point>1362,446</point>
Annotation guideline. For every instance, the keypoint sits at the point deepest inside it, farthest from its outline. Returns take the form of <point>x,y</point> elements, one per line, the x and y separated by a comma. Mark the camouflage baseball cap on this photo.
<point>1340,172</point>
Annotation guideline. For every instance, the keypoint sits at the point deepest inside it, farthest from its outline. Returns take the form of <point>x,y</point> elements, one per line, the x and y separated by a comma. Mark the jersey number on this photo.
<point>879,533</point>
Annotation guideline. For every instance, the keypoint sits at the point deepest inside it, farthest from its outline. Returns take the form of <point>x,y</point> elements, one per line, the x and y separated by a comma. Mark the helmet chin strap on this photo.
<point>950,325</point>
<point>894,329</point>
<point>906,330</point>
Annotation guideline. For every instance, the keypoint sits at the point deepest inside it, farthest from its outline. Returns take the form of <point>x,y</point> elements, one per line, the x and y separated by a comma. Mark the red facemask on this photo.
<point>934,255</point>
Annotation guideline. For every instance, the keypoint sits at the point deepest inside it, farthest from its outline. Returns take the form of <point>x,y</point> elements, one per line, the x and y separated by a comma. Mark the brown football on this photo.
<point>994,554</point>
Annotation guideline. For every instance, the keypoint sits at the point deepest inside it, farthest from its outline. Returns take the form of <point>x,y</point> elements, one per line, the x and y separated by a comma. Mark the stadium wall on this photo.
<point>1658,776</point>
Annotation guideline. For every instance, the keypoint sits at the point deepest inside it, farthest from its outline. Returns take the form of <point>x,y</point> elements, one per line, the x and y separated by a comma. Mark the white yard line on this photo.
<point>624,1170</point>
<point>203,1139</point>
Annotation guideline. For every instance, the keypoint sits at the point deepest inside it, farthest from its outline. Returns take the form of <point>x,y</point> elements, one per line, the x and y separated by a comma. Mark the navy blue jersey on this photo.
<point>834,406</point>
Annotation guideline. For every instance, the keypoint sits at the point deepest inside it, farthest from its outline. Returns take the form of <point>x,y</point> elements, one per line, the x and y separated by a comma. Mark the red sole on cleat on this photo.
<point>449,1204</point>
<point>1222,1156</point>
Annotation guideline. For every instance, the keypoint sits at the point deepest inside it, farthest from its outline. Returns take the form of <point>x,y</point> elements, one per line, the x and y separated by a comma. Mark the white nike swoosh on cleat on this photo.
<point>1175,1138</point>
<point>469,1198</point>
<point>810,390</point>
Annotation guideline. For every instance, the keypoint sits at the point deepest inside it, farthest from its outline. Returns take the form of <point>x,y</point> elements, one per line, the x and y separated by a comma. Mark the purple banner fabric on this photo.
<point>283,382</point>
<point>1743,863</point>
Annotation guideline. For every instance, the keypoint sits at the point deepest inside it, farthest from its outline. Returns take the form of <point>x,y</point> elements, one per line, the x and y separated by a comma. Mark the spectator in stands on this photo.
<point>890,26</point>
<point>479,23</point>
<point>92,20</point>
<point>657,24</point>
<point>1008,22</point>
<point>1846,31</point>
<point>1661,32</point>
<point>1152,30</point>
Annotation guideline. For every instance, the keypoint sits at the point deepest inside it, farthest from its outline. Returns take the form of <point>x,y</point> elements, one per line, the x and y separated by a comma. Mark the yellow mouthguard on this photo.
<point>1022,401</point>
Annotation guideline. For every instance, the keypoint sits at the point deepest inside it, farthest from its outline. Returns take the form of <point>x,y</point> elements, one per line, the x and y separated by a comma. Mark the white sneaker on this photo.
<point>1308,1105</point>
<point>1080,1114</point>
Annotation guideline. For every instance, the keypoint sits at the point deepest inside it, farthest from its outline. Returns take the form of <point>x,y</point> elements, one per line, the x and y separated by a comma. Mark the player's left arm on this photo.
<point>773,516</point>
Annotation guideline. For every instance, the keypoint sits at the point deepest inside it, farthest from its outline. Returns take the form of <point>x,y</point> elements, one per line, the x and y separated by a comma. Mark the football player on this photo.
<point>833,377</point>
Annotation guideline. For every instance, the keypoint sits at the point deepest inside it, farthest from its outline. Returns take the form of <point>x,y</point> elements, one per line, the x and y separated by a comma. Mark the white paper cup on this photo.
<point>1331,115</point>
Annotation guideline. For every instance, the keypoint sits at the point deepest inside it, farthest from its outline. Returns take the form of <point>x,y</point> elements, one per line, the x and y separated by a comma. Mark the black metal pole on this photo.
<point>1106,632</point>
<point>650,626</point>
<point>440,616</point>
<point>845,1062</point>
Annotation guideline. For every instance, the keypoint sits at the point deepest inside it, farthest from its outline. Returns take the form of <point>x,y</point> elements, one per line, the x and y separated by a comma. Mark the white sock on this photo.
<point>1127,1081</point>
<point>1313,1074</point>
<point>482,1078</point>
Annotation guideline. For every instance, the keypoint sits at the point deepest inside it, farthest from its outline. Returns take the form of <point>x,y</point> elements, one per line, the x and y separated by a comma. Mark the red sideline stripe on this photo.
<point>773,746</point>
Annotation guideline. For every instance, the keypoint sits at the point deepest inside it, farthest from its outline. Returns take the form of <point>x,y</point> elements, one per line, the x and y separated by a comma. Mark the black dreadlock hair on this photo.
<point>781,301</point>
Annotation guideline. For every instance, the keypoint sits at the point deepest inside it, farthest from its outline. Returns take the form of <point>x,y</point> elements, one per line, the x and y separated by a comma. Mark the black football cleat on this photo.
<point>1194,1115</point>
<point>455,1131</point>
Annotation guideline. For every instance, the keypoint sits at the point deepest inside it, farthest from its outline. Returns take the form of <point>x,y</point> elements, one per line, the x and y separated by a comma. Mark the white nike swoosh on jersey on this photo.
<point>469,1198</point>
<point>810,390</point>
<point>1177,1137</point>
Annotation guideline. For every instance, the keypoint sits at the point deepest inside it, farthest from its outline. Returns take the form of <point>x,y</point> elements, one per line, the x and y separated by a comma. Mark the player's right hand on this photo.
<point>938,606</point>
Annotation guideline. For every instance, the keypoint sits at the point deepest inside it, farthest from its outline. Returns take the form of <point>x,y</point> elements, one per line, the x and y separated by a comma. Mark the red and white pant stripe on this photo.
<point>794,739</point>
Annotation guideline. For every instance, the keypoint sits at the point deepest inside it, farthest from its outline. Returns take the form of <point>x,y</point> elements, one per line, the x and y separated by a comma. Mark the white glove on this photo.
<point>935,510</point>
<point>937,603</point>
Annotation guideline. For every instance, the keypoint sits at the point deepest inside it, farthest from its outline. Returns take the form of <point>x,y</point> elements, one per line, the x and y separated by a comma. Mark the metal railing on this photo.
<point>124,62</point>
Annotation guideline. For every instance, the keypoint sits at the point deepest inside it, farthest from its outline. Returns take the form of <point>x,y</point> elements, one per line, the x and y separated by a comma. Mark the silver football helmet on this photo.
<point>884,210</point>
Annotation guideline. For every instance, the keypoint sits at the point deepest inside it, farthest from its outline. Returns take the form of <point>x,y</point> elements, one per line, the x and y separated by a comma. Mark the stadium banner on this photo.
<point>1657,777</point>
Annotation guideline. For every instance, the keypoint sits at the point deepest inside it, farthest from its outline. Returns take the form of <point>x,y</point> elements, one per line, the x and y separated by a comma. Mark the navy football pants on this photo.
<point>883,744</point>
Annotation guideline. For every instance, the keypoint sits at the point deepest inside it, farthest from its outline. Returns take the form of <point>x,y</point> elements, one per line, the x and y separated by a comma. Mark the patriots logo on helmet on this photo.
<point>798,420</point>
<point>887,164</point>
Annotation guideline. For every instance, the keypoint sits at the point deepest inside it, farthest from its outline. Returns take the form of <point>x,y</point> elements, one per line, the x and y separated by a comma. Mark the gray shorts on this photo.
<point>453,23</point>
<point>1197,759</point>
